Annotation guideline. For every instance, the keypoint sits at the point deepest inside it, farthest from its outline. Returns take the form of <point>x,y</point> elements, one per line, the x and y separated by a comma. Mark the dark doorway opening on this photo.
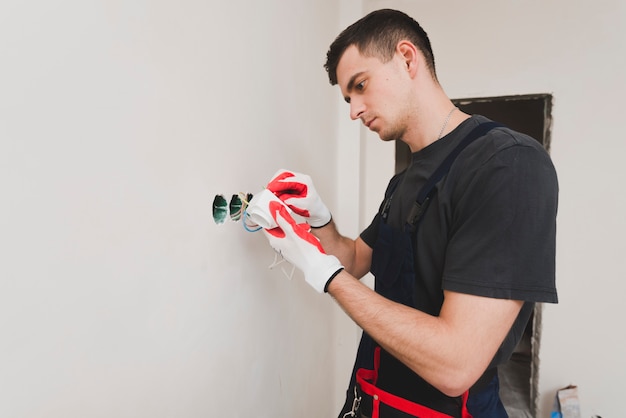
<point>529,114</point>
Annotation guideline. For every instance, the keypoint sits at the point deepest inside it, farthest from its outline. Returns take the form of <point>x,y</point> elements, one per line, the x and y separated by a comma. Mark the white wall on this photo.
<point>119,123</point>
<point>577,52</point>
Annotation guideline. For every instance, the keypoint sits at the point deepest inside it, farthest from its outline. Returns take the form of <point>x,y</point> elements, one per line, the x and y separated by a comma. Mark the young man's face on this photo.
<point>377,92</point>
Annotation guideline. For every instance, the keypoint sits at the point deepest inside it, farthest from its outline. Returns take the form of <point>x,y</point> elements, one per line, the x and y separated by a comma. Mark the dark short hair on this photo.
<point>377,35</point>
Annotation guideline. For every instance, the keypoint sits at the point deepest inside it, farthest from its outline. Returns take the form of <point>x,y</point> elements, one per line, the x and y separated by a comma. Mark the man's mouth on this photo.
<point>368,125</point>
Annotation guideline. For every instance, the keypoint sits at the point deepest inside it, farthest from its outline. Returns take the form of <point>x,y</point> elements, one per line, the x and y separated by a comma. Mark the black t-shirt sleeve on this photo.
<point>503,227</point>
<point>370,233</point>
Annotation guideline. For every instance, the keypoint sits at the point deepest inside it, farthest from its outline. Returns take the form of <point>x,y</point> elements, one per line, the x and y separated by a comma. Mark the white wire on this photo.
<point>278,261</point>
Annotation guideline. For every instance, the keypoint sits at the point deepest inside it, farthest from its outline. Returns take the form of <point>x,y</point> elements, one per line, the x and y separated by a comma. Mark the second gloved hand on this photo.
<point>298,192</point>
<point>301,248</point>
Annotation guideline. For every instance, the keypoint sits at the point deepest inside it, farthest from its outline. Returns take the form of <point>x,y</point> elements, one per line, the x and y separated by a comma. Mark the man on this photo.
<point>457,275</point>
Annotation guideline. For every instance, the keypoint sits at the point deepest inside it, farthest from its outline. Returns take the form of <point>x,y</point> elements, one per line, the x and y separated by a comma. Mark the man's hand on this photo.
<point>298,192</point>
<point>301,248</point>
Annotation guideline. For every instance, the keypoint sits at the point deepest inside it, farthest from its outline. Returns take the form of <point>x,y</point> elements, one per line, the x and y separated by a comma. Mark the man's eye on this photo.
<point>360,86</point>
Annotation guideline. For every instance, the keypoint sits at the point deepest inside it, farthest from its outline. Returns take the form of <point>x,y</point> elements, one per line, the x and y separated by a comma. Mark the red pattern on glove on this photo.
<point>303,230</point>
<point>289,189</point>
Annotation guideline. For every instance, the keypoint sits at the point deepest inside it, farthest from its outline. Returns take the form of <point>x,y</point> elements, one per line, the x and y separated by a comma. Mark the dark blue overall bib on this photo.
<point>394,271</point>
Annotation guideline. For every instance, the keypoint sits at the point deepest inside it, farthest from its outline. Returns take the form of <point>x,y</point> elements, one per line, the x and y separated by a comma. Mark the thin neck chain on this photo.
<point>443,128</point>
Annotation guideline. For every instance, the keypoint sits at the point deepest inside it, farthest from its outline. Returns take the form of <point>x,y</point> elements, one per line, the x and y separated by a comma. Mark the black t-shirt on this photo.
<point>490,228</point>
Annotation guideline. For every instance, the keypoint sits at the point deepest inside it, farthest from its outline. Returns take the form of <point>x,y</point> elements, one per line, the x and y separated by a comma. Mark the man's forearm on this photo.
<point>413,337</point>
<point>450,351</point>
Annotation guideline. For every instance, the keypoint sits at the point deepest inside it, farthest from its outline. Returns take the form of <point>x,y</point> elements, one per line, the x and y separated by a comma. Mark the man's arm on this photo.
<point>355,255</point>
<point>450,351</point>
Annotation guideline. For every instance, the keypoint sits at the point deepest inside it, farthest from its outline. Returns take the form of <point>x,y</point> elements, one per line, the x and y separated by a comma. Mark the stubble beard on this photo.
<point>394,133</point>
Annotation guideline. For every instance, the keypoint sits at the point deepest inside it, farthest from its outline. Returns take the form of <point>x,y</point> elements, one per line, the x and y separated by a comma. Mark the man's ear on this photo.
<point>409,55</point>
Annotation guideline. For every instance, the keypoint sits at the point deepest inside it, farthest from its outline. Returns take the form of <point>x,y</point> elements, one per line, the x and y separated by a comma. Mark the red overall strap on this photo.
<point>367,380</point>
<point>464,412</point>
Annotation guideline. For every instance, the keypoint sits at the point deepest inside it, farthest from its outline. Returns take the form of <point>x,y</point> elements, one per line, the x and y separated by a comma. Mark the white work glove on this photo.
<point>298,246</point>
<point>298,192</point>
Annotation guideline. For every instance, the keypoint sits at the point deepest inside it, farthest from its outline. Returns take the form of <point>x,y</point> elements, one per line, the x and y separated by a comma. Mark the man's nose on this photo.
<point>356,109</point>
